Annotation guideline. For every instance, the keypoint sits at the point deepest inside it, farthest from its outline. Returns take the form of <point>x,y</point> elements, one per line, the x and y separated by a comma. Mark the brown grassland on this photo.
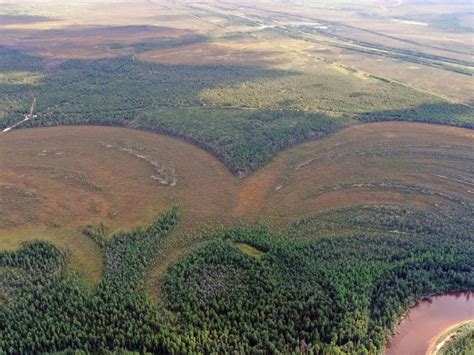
<point>54,181</point>
<point>399,163</point>
<point>87,29</point>
<point>61,179</point>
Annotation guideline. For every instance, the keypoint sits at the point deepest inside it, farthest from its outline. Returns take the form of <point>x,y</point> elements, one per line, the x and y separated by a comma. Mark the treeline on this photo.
<point>325,294</point>
<point>243,115</point>
<point>451,114</point>
<point>242,140</point>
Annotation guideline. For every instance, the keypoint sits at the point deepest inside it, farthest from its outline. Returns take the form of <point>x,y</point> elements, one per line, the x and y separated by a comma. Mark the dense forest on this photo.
<point>336,294</point>
<point>334,283</point>
<point>243,115</point>
<point>45,308</point>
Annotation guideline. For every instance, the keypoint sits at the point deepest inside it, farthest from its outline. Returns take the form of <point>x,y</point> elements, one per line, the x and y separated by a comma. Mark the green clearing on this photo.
<point>250,250</point>
<point>327,90</point>
<point>244,115</point>
<point>20,78</point>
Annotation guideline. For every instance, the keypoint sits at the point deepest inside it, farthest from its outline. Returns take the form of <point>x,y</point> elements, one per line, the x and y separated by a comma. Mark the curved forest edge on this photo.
<point>343,293</point>
<point>233,111</point>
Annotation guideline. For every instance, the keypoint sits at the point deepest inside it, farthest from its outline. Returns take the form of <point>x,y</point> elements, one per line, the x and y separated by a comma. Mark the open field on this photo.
<point>91,29</point>
<point>54,181</point>
<point>400,163</point>
<point>60,179</point>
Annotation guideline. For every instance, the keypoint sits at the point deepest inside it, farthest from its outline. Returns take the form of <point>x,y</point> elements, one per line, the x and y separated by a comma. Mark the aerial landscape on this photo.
<point>234,176</point>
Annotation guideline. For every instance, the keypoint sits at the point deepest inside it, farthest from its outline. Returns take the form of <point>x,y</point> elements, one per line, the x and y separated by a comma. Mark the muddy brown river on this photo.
<point>429,319</point>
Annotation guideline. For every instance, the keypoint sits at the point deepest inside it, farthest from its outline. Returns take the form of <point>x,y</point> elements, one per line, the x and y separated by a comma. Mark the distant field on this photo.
<point>414,43</point>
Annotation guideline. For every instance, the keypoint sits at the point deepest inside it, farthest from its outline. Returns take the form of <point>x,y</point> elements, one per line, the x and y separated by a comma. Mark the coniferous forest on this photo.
<point>248,289</point>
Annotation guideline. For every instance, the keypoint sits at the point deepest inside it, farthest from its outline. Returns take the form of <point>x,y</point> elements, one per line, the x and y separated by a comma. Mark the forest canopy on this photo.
<point>339,293</point>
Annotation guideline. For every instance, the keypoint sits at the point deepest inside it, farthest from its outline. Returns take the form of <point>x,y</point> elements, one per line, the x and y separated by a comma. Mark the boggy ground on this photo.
<point>400,163</point>
<point>54,181</point>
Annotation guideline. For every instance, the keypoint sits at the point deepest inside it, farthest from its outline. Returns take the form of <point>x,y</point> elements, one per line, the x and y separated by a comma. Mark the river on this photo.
<point>428,319</point>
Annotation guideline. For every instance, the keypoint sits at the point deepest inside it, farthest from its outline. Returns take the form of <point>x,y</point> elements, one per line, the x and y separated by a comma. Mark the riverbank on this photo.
<point>429,319</point>
<point>450,338</point>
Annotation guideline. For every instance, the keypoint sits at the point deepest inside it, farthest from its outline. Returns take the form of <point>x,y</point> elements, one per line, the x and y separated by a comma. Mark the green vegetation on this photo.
<point>243,140</point>
<point>461,341</point>
<point>244,115</point>
<point>339,294</point>
<point>250,250</point>
<point>19,78</point>
<point>161,43</point>
<point>246,290</point>
<point>47,309</point>
<point>309,92</point>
